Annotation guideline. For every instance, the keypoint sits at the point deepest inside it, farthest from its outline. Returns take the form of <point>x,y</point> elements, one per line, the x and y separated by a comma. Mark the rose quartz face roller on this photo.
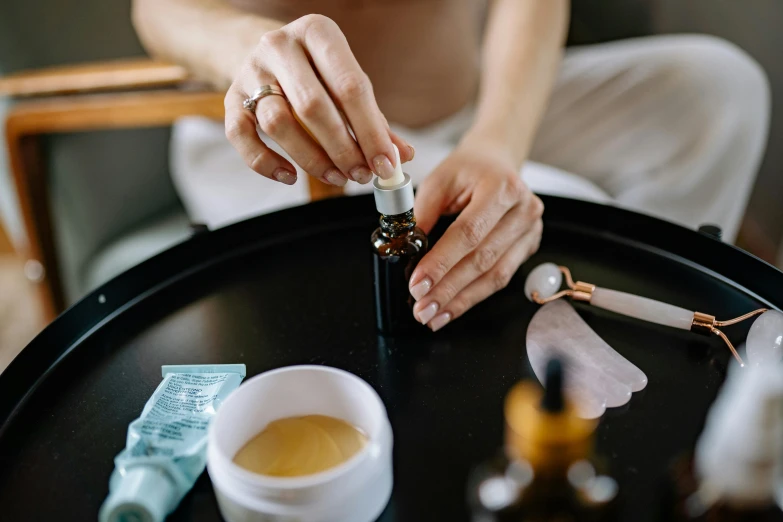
<point>764,344</point>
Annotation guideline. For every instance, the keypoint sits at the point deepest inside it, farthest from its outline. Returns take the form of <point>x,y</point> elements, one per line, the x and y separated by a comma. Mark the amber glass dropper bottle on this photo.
<point>546,473</point>
<point>397,247</point>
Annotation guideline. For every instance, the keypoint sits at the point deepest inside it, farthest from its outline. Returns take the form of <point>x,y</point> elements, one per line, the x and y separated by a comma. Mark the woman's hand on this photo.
<point>310,60</point>
<point>498,229</point>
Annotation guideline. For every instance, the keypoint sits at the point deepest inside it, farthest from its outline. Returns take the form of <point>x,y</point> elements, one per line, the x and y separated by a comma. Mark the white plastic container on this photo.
<point>355,491</point>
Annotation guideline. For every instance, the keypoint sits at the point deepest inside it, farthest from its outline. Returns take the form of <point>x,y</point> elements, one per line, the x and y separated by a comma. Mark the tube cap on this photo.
<point>142,494</point>
<point>395,195</point>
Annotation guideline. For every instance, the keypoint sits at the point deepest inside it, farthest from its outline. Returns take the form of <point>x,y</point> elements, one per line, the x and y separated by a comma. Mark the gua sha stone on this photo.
<point>599,377</point>
<point>765,339</point>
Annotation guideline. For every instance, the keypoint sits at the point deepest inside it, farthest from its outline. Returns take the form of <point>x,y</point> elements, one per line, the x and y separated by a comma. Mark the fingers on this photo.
<point>278,122</point>
<point>333,130</point>
<point>508,232</point>
<point>285,63</point>
<point>352,90</point>
<point>487,206</point>
<point>492,281</point>
<point>241,132</point>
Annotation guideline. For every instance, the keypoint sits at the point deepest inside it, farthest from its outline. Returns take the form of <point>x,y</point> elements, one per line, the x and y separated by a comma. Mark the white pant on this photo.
<point>672,126</point>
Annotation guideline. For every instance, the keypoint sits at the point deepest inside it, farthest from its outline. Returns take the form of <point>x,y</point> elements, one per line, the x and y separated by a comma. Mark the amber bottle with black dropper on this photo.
<point>397,247</point>
<point>546,472</point>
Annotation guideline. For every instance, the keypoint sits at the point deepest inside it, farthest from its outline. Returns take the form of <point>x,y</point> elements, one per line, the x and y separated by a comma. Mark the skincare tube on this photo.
<point>166,446</point>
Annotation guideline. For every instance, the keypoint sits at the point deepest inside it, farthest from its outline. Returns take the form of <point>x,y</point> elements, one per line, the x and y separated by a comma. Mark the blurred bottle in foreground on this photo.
<point>546,472</point>
<point>736,472</point>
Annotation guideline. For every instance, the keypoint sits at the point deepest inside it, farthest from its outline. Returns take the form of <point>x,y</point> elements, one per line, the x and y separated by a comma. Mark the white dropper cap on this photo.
<point>399,175</point>
<point>739,456</point>
<point>394,195</point>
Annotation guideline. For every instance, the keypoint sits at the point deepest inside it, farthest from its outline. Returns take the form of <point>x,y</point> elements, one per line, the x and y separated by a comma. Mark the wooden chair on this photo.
<point>102,96</point>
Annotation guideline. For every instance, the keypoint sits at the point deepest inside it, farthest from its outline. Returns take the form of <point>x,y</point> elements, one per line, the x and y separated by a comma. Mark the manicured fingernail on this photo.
<point>440,321</point>
<point>383,167</point>
<point>413,151</point>
<point>361,174</point>
<point>284,176</point>
<point>334,177</point>
<point>421,288</point>
<point>428,312</point>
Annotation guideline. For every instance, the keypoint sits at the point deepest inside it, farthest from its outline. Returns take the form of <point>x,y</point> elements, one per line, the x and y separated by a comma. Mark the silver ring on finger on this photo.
<point>262,92</point>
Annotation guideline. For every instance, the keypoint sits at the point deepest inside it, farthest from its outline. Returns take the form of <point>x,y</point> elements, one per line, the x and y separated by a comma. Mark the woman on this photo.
<point>672,126</point>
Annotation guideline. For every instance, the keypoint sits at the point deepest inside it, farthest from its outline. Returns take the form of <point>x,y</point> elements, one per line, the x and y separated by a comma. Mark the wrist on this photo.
<point>502,122</point>
<point>492,141</point>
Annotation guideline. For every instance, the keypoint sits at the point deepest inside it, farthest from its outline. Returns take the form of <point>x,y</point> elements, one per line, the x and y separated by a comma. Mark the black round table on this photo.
<point>295,287</point>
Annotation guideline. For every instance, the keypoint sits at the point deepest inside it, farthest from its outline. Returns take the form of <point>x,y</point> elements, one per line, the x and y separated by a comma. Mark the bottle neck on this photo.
<point>398,224</point>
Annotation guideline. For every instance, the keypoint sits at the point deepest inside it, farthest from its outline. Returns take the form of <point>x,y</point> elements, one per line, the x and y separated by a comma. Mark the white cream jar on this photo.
<point>355,491</point>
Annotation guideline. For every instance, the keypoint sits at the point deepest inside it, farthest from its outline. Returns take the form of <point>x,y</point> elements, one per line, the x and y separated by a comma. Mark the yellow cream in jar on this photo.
<point>296,446</point>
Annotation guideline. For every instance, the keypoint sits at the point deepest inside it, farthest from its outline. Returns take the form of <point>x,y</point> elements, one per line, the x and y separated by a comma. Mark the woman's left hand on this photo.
<point>498,228</point>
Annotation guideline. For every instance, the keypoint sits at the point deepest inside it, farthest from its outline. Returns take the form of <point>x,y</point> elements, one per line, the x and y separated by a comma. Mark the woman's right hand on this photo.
<point>310,60</point>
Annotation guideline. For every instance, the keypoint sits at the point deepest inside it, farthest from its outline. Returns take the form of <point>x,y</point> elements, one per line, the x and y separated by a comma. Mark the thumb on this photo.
<point>431,201</point>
